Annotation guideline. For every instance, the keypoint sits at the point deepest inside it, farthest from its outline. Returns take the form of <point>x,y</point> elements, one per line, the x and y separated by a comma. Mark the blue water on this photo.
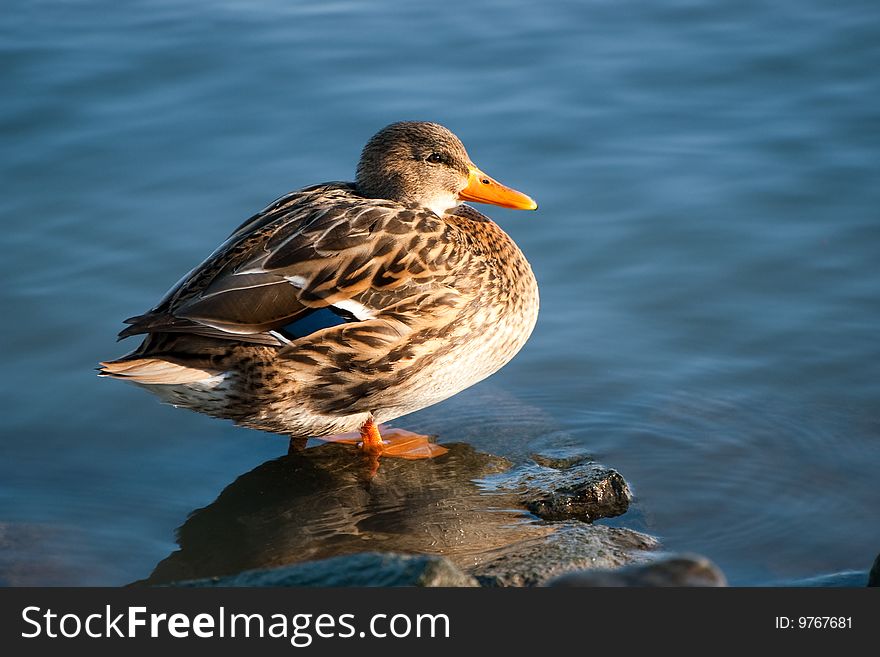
<point>707,247</point>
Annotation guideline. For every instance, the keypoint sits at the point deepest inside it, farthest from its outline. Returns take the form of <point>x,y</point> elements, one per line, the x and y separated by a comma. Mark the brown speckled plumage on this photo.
<point>432,302</point>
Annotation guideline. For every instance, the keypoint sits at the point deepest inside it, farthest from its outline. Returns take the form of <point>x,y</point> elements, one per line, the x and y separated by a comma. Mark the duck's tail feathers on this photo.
<point>154,371</point>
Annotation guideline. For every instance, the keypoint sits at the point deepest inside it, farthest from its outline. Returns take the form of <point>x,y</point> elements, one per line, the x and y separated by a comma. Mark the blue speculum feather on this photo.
<point>315,321</point>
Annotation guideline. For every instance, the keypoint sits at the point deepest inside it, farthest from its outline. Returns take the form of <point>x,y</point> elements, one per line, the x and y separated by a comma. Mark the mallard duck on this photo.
<point>345,305</point>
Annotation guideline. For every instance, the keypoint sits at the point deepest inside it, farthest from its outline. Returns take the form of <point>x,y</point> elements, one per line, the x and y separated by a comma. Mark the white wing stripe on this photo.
<point>359,310</point>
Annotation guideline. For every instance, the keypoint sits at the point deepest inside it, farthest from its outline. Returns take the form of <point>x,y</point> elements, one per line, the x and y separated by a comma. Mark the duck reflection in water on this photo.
<point>320,503</point>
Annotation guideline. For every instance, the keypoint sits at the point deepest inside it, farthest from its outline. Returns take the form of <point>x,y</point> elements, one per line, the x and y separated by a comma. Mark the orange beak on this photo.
<point>483,189</point>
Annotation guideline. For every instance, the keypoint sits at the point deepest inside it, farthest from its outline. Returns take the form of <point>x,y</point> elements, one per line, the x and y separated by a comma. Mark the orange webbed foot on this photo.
<point>404,444</point>
<point>393,442</point>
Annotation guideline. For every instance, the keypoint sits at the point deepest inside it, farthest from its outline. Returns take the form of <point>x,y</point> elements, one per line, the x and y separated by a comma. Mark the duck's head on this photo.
<point>424,163</point>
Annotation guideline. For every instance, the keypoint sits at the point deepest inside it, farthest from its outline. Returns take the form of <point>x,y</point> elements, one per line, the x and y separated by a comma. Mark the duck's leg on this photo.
<point>371,439</point>
<point>399,443</point>
<point>297,444</point>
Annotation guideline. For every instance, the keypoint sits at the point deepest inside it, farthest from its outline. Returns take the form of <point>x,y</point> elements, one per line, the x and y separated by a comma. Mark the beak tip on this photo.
<point>527,203</point>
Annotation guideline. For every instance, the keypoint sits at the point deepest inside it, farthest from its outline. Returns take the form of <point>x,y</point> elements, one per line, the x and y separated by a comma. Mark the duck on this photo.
<point>343,306</point>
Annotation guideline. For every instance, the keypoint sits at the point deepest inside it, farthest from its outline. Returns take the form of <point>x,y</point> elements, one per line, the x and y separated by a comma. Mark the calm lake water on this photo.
<point>707,246</point>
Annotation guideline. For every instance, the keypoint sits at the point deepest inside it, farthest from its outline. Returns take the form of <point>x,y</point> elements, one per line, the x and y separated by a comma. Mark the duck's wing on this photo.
<point>320,249</point>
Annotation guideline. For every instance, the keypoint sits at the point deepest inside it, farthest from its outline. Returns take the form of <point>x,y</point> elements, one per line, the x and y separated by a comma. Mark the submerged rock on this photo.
<point>364,569</point>
<point>674,570</point>
<point>571,546</point>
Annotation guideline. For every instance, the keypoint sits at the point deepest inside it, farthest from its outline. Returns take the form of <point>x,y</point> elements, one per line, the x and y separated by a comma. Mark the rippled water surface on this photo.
<point>707,246</point>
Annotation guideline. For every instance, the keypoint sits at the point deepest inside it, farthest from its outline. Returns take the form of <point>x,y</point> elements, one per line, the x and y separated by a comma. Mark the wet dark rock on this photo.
<point>570,546</point>
<point>364,569</point>
<point>674,570</point>
<point>580,490</point>
<point>874,575</point>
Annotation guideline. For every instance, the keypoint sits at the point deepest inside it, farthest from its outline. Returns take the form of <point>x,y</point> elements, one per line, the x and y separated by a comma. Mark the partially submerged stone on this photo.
<point>364,569</point>
<point>604,495</point>
<point>571,546</point>
<point>570,489</point>
<point>671,570</point>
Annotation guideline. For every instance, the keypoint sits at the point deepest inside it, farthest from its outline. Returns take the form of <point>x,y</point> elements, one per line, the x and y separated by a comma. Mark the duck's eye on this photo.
<point>434,158</point>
